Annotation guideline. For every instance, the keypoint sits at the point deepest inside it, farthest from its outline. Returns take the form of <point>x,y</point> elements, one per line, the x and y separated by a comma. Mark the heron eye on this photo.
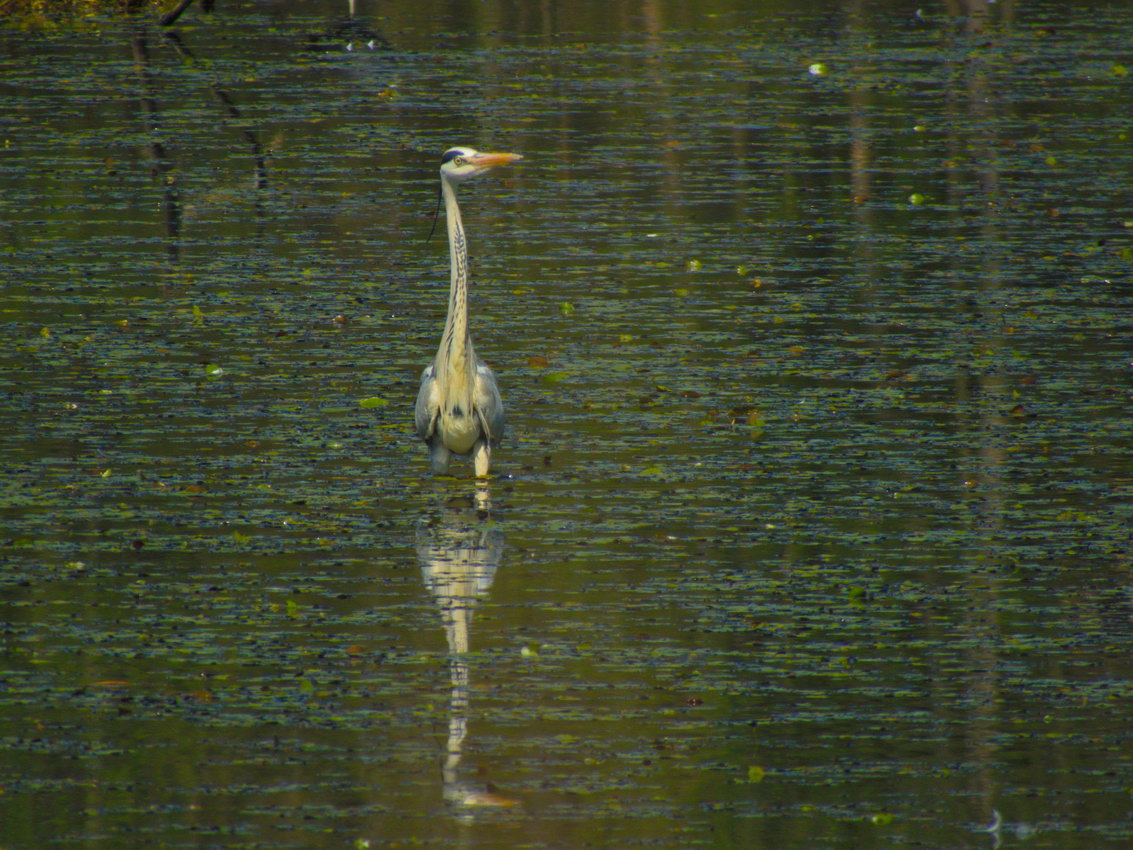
<point>459,161</point>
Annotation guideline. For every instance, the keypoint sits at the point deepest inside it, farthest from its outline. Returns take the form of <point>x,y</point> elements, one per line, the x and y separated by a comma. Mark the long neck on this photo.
<point>455,351</point>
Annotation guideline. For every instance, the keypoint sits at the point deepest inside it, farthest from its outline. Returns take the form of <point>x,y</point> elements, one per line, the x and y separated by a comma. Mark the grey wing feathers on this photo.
<point>425,414</point>
<point>488,403</point>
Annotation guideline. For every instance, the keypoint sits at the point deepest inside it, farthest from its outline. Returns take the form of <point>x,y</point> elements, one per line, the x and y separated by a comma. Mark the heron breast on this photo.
<point>459,433</point>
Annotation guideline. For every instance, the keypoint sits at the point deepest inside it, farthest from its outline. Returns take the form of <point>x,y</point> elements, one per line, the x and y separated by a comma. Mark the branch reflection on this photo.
<point>460,548</point>
<point>164,168</point>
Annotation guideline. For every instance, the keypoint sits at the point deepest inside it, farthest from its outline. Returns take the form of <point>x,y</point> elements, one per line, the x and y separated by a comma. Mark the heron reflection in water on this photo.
<point>459,409</point>
<point>460,550</point>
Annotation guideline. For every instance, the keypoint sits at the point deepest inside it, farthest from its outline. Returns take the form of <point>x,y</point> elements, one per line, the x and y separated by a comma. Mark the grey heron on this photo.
<point>459,410</point>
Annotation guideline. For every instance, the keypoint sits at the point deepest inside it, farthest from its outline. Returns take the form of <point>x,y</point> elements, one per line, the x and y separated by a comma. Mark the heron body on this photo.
<point>459,409</point>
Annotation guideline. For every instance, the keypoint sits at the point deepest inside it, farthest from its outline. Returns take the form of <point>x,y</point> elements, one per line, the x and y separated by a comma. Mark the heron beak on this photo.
<point>491,160</point>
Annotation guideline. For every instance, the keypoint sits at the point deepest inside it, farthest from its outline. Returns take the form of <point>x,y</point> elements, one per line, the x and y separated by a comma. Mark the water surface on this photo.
<point>812,525</point>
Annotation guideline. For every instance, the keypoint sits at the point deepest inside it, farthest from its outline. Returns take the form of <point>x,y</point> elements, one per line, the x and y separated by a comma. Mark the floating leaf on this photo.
<point>566,308</point>
<point>537,362</point>
<point>373,401</point>
<point>755,773</point>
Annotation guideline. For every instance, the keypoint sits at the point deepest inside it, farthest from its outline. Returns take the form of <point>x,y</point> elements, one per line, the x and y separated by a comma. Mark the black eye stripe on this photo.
<point>449,156</point>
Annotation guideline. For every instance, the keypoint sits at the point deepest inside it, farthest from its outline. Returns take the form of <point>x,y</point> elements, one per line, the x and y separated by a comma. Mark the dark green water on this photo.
<point>812,528</point>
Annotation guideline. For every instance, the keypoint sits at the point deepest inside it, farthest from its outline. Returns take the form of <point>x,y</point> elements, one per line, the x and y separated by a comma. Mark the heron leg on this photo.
<point>481,457</point>
<point>439,455</point>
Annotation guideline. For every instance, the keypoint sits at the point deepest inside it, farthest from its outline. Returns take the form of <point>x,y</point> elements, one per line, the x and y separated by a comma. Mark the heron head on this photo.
<point>460,164</point>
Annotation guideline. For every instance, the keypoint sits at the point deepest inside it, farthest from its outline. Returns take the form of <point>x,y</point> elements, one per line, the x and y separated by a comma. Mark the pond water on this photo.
<point>811,528</point>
